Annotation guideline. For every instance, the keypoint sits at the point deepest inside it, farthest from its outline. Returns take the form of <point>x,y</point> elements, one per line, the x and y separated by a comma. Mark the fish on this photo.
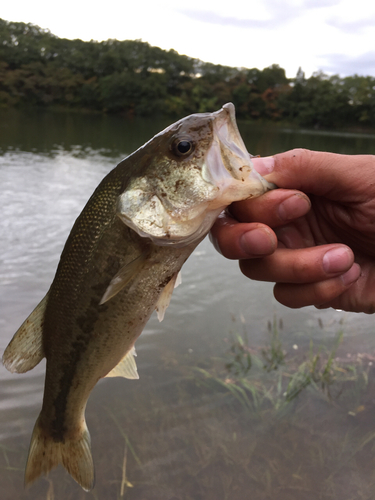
<point>122,261</point>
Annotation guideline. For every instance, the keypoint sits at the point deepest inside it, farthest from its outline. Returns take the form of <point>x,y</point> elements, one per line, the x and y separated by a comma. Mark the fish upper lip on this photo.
<point>230,159</point>
<point>226,128</point>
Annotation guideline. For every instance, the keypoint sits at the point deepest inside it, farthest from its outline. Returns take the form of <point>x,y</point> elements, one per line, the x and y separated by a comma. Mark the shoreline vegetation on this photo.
<point>130,77</point>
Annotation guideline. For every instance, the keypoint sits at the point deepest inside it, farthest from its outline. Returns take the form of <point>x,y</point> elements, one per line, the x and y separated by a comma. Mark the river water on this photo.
<point>238,397</point>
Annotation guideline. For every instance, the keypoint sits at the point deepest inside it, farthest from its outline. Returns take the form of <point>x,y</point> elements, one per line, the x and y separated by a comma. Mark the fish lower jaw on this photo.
<point>178,233</point>
<point>178,229</point>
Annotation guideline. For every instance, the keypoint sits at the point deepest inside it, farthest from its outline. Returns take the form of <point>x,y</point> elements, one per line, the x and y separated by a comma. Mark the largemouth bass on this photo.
<point>121,261</point>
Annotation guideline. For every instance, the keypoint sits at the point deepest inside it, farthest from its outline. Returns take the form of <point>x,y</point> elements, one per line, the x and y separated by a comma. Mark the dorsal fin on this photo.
<point>25,350</point>
<point>127,367</point>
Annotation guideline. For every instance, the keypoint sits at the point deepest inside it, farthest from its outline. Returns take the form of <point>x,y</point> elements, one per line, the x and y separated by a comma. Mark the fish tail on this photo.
<point>74,454</point>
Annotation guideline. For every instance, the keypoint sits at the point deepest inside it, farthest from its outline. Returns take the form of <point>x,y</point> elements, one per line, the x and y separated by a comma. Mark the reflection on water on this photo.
<point>229,401</point>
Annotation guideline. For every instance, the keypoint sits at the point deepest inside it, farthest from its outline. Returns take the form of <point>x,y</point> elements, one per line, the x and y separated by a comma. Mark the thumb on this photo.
<point>323,174</point>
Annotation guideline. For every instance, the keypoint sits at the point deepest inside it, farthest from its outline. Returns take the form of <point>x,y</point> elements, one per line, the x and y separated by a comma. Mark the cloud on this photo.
<point>349,65</point>
<point>352,27</point>
<point>313,4</point>
<point>211,17</point>
<point>277,14</point>
<point>273,14</point>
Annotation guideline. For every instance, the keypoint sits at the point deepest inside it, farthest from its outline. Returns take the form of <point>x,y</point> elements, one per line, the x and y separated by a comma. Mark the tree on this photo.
<point>131,76</point>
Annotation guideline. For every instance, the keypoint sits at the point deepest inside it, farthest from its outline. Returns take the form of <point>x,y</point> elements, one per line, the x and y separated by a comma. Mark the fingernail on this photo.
<point>352,275</point>
<point>293,207</point>
<point>257,242</point>
<point>337,260</point>
<point>264,165</point>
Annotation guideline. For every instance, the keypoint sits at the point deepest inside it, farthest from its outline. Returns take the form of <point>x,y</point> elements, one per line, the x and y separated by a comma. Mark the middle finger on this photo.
<point>304,265</point>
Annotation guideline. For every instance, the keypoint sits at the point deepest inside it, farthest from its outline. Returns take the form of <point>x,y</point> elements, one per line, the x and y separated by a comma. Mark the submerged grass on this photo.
<point>275,421</point>
<point>285,426</point>
<point>261,392</point>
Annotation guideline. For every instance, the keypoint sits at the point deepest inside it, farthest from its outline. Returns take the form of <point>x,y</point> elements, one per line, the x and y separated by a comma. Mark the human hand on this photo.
<point>323,255</point>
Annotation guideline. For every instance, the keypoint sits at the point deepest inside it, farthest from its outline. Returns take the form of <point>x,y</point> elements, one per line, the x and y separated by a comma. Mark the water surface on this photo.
<point>237,394</point>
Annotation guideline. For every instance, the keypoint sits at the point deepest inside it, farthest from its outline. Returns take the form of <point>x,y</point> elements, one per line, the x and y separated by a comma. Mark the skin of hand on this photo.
<point>314,236</point>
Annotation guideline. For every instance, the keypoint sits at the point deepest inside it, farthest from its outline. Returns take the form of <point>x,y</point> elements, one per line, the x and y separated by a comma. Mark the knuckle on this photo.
<point>303,268</point>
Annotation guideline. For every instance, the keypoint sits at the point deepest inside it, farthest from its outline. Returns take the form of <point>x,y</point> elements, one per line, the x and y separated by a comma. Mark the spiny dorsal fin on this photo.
<point>25,350</point>
<point>127,367</point>
<point>166,295</point>
<point>123,276</point>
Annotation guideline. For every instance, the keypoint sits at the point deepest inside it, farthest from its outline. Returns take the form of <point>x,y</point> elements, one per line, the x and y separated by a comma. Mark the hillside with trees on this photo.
<point>39,69</point>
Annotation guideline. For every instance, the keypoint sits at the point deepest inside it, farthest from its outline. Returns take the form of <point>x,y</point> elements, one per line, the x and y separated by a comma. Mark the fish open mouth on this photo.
<point>218,173</point>
<point>228,134</point>
<point>229,164</point>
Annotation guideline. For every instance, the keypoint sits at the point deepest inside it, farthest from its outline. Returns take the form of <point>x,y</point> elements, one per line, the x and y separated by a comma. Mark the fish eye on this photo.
<point>182,147</point>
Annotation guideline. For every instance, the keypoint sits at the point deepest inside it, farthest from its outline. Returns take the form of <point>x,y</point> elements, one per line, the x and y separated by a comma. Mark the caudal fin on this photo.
<point>75,455</point>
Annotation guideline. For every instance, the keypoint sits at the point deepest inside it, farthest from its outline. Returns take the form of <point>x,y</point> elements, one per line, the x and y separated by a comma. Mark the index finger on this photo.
<point>323,174</point>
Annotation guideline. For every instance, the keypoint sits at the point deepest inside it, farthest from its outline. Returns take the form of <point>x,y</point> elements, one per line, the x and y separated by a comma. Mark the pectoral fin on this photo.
<point>126,368</point>
<point>25,350</point>
<point>124,275</point>
<point>166,294</point>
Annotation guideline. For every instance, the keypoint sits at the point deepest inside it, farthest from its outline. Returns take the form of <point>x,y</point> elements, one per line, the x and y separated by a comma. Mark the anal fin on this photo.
<point>25,350</point>
<point>127,367</point>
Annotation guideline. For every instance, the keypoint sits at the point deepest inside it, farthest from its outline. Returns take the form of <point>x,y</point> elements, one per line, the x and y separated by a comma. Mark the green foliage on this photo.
<point>319,369</point>
<point>130,76</point>
<point>240,362</point>
<point>264,379</point>
<point>273,355</point>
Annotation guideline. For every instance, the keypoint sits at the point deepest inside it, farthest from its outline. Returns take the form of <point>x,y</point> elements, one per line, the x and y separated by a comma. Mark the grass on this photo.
<point>267,391</point>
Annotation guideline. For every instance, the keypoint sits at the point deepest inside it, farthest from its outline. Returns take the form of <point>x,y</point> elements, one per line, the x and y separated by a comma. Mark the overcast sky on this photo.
<point>335,36</point>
